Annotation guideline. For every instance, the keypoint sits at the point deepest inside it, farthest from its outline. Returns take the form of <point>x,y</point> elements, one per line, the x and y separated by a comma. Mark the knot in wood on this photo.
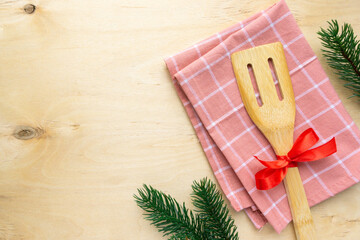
<point>27,132</point>
<point>29,8</point>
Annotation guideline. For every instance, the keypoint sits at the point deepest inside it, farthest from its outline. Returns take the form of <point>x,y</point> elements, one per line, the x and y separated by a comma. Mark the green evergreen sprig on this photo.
<point>210,206</point>
<point>168,215</point>
<point>342,51</point>
<point>211,219</point>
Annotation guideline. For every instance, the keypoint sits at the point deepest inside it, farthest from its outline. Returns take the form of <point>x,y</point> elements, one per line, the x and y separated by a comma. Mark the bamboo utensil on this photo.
<point>275,119</point>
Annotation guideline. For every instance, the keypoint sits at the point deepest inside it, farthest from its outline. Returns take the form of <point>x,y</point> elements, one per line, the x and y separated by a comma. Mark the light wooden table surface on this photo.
<point>85,81</point>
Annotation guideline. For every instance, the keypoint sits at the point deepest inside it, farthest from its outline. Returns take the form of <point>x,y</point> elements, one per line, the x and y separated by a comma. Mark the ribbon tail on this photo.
<point>317,153</point>
<point>269,178</point>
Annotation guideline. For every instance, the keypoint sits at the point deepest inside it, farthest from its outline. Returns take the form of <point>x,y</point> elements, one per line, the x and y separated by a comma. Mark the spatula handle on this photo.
<point>300,210</point>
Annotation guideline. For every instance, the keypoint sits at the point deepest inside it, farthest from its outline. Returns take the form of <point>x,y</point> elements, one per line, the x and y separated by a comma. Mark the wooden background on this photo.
<point>88,113</point>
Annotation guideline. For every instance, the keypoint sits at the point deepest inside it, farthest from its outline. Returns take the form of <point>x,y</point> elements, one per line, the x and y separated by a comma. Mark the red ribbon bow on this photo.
<point>275,171</point>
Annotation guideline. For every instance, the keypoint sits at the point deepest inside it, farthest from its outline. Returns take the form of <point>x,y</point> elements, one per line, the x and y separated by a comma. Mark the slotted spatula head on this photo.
<point>275,118</point>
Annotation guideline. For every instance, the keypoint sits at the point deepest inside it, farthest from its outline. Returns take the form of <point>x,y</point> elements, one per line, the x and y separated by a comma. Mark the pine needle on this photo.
<point>213,211</point>
<point>342,51</point>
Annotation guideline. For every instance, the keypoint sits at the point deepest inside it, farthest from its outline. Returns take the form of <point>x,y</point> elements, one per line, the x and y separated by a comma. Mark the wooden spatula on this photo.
<point>275,119</point>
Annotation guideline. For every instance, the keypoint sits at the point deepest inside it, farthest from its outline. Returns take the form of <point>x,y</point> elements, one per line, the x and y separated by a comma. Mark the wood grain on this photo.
<point>88,81</point>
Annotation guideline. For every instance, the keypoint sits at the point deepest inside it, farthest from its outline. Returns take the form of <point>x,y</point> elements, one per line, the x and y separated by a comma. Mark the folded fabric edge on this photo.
<point>238,199</point>
<point>256,217</point>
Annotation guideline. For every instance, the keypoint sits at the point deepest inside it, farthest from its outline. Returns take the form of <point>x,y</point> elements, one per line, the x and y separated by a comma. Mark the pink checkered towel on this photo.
<point>205,82</point>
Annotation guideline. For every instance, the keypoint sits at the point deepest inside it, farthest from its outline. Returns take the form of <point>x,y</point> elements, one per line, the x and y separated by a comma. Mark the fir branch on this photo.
<point>169,216</point>
<point>213,211</point>
<point>342,53</point>
<point>212,220</point>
